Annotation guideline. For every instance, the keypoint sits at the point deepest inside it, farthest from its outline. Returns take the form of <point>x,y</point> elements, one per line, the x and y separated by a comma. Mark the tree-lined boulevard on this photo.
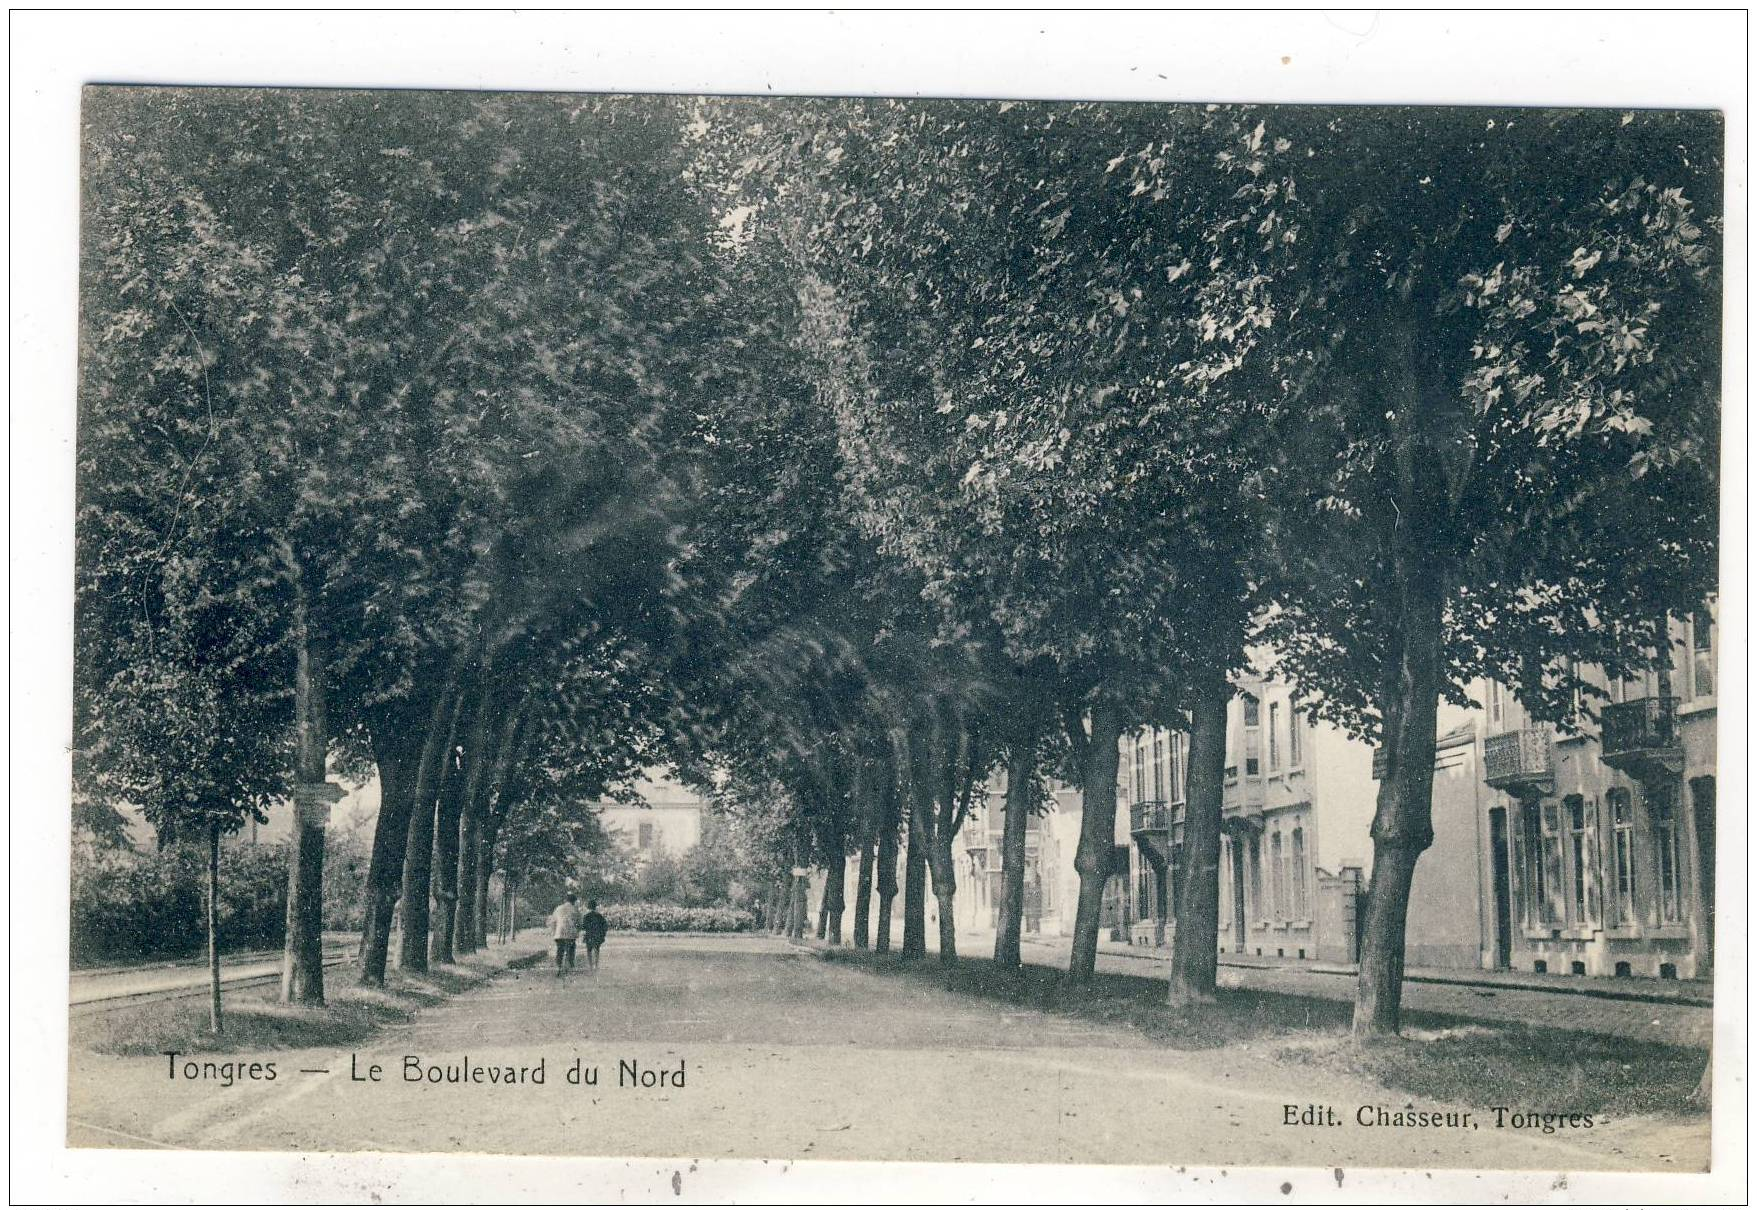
<point>773,1045</point>
<point>842,455</point>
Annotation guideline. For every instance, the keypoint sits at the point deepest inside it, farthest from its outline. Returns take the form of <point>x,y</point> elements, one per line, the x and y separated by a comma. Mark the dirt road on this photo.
<point>741,1047</point>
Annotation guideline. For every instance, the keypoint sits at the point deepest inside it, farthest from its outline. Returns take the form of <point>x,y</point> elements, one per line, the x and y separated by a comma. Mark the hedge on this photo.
<point>128,905</point>
<point>673,918</point>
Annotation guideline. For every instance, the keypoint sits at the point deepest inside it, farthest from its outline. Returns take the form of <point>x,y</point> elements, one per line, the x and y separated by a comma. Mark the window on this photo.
<point>1225,912</point>
<point>1549,867</point>
<point>1574,692</point>
<point>1701,654</point>
<point>1158,765</point>
<point>1253,736</point>
<point>1622,812</point>
<point>1495,705</point>
<point>1176,779</point>
<point>1140,769</point>
<point>1274,736</point>
<point>1254,858</point>
<point>1582,885</point>
<point>1277,877</point>
<point>1301,906</point>
<point>646,836</point>
<point>1295,744</point>
<point>1662,814</point>
<point>1143,892</point>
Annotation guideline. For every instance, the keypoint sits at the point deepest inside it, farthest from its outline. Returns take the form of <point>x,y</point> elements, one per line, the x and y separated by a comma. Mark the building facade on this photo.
<point>1298,800</point>
<point>1598,838</point>
<point>668,818</point>
<point>1052,886</point>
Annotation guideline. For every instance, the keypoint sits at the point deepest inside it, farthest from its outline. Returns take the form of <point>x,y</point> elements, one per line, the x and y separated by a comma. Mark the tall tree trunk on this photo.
<point>801,909</point>
<point>1092,857</point>
<point>942,868</point>
<point>445,866</point>
<point>418,849</point>
<point>938,801</point>
<point>914,896</point>
<point>302,965</point>
<point>403,784</point>
<point>1195,948</point>
<point>1021,797</point>
<point>485,875</point>
<point>863,895</point>
<point>215,1019</point>
<point>835,894</point>
<point>478,761</point>
<point>886,846</point>
<point>1403,822</point>
<point>777,920</point>
<point>496,804</point>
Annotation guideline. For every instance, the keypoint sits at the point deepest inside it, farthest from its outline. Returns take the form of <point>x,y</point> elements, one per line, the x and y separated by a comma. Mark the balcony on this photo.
<point>1641,738</point>
<point>1149,817</point>
<point>1244,796</point>
<point>1519,763</point>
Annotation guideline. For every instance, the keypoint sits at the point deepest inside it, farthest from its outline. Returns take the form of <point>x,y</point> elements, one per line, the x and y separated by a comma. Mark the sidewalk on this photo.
<point>1435,999</point>
<point>1649,991</point>
<point>100,987</point>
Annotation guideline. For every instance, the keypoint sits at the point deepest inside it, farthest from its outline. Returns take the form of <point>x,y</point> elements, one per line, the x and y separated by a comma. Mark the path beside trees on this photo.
<point>788,1055</point>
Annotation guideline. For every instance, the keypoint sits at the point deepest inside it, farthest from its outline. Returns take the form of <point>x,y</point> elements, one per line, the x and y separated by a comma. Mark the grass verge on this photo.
<point>1440,1058</point>
<point>256,1020</point>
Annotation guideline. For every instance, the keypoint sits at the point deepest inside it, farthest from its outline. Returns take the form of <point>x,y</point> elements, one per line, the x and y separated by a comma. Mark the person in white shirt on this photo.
<point>564,924</point>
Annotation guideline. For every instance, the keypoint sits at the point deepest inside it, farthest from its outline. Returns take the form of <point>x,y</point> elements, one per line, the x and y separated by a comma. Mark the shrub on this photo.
<point>675,918</point>
<point>128,905</point>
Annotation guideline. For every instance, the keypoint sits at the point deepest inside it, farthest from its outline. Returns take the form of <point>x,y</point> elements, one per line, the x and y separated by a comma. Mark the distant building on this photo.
<point>668,819</point>
<point>1298,801</point>
<point>1052,887</point>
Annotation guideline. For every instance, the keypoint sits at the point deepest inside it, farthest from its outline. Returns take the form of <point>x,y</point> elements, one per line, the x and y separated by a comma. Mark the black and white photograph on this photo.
<point>900,629</point>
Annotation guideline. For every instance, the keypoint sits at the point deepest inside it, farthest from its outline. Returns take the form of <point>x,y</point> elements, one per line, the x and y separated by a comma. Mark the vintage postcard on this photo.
<point>966,631</point>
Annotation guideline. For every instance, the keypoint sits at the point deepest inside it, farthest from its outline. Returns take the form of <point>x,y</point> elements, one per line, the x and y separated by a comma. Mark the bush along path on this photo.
<point>673,918</point>
<point>256,1020</point>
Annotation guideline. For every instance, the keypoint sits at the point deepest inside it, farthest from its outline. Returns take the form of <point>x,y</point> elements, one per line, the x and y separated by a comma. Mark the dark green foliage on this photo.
<point>131,906</point>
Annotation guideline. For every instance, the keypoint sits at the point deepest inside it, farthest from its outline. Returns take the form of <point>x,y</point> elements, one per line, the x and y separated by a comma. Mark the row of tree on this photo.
<point>1411,397</point>
<point>843,453</point>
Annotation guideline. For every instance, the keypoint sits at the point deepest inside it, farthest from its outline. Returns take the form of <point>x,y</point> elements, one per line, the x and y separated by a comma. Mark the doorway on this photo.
<point>1236,853</point>
<point>1702,808</point>
<point>1503,889</point>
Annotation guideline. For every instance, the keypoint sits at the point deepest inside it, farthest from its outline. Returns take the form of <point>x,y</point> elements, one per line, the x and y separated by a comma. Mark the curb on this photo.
<point>1633,995</point>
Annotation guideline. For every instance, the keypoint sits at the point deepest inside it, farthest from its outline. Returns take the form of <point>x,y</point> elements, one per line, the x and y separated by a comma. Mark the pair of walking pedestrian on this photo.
<point>568,928</point>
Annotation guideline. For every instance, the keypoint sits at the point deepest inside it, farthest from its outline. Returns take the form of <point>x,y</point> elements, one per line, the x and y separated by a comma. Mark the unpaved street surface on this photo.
<point>784,1056</point>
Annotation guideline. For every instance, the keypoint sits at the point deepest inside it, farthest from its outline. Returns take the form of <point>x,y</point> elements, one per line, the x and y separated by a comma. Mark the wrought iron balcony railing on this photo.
<point>1519,762</point>
<point>1640,737</point>
<point>1149,817</point>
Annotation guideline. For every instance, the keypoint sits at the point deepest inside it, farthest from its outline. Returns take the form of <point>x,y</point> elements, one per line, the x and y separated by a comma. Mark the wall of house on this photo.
<point>1337,920</point>
<point>1604,899</point>
<point>672,817</point>
<point>671,828</point>
<point>1340,773</point>
<point>1448,925</point>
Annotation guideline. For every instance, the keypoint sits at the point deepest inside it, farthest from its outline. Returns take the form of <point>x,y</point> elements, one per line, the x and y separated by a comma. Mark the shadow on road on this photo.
<point>1451,1059</point>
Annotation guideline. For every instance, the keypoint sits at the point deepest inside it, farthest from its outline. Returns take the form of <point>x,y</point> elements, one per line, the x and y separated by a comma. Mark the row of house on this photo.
<point>1586,849</point>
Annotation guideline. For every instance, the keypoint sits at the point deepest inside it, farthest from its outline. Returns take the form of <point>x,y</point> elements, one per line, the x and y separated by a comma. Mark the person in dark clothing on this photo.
<point>593,929</point>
